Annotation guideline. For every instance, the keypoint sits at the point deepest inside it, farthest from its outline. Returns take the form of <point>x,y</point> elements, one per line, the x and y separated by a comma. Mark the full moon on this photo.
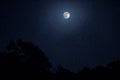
<point>66,15</point>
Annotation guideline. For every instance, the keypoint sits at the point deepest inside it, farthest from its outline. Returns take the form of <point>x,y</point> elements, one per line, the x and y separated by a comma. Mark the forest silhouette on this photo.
<point>23,60</point>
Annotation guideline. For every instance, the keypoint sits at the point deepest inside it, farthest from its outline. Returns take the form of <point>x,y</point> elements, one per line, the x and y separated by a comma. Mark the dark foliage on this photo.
<point>64,74</point>
<point>23,60</point>
<point>110,72</point>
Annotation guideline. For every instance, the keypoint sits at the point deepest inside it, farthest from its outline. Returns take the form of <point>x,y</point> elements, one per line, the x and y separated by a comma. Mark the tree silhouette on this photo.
<point>109,72</point>
<point>114,68</point>
<point>25,60</point>
<point>84,74</point>
<point>64,74</point>
<point>100,72</point>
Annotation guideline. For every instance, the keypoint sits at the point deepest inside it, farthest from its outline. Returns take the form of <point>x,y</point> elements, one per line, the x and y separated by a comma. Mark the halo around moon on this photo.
<point>66,15</point>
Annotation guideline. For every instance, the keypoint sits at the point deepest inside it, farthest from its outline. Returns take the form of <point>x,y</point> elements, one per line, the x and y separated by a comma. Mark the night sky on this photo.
<point>89,37</point>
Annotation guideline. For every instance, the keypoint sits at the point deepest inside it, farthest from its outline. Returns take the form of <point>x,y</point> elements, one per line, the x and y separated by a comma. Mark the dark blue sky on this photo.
<point>90,37</point>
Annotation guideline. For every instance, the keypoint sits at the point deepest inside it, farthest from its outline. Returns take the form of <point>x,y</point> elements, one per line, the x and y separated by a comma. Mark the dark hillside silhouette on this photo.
<point>23,60</point>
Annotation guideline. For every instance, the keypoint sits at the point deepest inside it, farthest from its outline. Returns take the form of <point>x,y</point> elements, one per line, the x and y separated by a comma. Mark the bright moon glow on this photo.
<point>66,15</point>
